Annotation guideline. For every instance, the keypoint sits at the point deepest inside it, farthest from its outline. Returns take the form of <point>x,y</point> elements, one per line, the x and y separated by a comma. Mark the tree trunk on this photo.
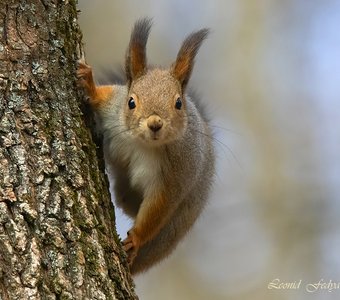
<point>57,225</point>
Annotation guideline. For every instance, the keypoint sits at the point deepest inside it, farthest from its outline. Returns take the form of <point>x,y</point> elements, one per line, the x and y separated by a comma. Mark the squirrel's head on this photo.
<point>156,108</point>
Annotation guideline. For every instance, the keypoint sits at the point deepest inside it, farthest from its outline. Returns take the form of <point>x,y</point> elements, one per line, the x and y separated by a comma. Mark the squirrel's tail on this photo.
<point>170,235</point>
<point>181,221</point>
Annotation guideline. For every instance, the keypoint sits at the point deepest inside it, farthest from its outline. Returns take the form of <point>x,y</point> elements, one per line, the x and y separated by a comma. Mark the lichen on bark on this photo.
<point>57,227</point>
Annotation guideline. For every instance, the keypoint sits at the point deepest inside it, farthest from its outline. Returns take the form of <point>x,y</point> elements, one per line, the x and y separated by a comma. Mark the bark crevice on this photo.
<point>57,225</point>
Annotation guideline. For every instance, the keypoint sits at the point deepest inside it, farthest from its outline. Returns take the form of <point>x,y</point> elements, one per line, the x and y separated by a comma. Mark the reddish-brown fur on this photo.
<point>98,95</point>
<point>162,178</point>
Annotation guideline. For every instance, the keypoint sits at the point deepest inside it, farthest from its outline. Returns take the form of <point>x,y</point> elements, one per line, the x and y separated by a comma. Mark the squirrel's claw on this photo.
<point>131,245</point>
<point>83,70</point>
<point>85,78</point>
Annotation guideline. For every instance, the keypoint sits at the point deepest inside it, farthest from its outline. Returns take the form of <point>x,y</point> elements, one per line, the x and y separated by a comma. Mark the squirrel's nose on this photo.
<point>155,123</point>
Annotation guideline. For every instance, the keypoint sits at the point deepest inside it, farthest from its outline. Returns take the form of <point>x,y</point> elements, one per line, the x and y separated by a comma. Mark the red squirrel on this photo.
<point>157,146</point>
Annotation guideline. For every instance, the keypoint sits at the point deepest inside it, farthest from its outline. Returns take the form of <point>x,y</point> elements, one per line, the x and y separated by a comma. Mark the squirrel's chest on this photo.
<point>144,168</point>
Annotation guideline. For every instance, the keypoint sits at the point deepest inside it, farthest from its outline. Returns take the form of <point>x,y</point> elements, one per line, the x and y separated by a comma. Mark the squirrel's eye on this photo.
<point>178,104</point>
<point>132,103</point>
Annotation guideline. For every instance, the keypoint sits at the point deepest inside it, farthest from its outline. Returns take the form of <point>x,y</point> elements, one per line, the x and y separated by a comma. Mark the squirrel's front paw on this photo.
<point>84,73</point>
<point>131,245</point>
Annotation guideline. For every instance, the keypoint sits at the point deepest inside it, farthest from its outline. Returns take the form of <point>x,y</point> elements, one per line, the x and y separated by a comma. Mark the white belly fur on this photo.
<point>145,169</point>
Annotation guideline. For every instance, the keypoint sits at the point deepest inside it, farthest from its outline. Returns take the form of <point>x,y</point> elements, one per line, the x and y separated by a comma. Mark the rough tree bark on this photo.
<point>57,226</point>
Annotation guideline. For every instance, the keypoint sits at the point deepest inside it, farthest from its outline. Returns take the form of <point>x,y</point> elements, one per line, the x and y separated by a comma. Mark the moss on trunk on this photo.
<point>57,225</point>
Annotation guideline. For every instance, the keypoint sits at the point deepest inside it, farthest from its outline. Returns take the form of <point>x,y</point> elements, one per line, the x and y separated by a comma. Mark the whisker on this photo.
<point>225,129</point>
<point>218,127</point>
<point>123,131</point>
<point>222,145</point>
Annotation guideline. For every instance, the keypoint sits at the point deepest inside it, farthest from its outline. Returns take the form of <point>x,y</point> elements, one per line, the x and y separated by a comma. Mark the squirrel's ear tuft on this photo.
<point>135,63</point>
<point>184,63</point>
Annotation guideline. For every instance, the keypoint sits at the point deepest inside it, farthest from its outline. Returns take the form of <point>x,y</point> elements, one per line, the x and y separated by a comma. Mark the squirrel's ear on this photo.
<point>135,63</point>
<point>184,63</point>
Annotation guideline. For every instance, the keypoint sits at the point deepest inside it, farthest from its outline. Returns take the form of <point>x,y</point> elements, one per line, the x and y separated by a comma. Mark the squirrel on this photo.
<point>157,146</point>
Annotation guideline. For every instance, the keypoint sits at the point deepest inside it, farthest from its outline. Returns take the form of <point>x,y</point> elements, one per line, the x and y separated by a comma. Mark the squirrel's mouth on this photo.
<point>153,138</point>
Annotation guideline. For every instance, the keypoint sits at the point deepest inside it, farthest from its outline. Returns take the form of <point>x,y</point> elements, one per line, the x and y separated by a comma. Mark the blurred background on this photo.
<point>270,77</point>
